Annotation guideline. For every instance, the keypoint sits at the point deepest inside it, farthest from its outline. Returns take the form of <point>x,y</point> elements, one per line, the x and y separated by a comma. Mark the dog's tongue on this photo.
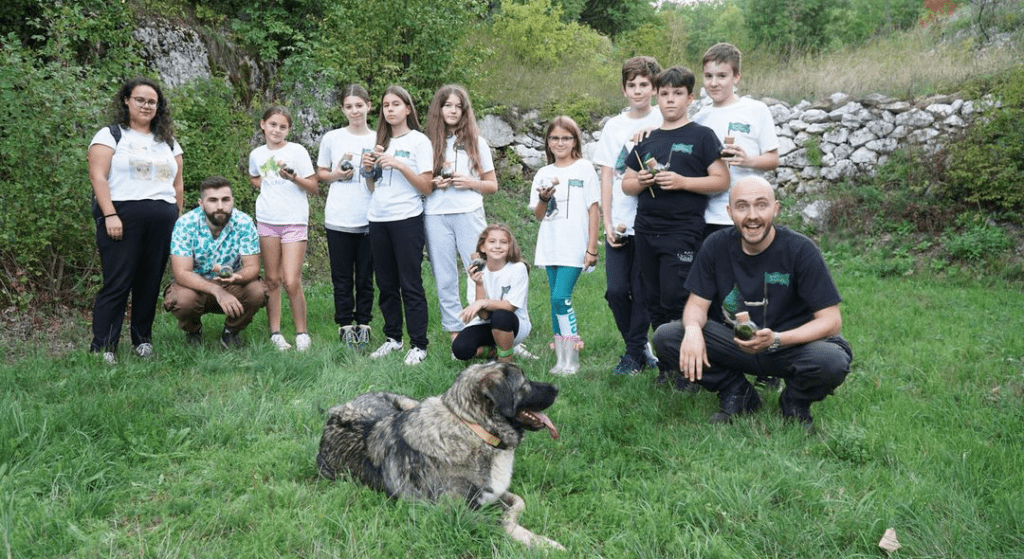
<point>547,423</point>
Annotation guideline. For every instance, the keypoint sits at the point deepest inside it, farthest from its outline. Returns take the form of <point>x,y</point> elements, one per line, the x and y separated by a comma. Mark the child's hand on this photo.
<point>545,193</point>
<point>739,156</point>
<point>589,260</point>
<point>461,181</point>
<point>646,178</point>
<point>441,182</point>
<point>285,171</point>
<point>469,313</point>
<point>344,175</point>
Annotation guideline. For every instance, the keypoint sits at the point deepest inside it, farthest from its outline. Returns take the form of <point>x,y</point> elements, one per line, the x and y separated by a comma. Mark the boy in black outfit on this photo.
<point>671,201</point>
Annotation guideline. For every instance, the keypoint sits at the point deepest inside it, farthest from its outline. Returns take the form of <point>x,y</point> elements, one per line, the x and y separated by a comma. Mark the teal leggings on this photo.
<point>561,281</point>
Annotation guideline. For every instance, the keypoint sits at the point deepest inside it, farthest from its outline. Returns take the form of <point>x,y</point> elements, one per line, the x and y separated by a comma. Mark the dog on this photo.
<point>459,444</point>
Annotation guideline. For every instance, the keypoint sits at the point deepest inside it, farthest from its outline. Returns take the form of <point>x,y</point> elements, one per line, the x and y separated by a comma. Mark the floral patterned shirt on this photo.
<point>192,238</point>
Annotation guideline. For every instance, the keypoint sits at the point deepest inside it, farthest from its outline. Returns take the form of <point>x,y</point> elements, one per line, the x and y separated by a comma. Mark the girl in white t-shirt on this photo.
<point>454,212</point>
<point>564,198</point>
<point>283,173</point>
<point>399,173</point>
<point>347,229</point>
<point>497,292</point>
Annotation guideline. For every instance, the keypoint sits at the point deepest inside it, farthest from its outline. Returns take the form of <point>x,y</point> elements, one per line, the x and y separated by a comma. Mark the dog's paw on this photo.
<point>529,539</point>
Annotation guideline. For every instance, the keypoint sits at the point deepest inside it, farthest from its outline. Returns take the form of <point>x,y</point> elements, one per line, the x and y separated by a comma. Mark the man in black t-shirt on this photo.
<point>780,278</point>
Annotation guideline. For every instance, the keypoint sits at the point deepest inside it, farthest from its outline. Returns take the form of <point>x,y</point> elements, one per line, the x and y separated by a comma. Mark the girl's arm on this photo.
<point>593,224</point>
<point>309,184</point>
<point>179,185</point>
<point>486,184</point>
<point>541,209</point>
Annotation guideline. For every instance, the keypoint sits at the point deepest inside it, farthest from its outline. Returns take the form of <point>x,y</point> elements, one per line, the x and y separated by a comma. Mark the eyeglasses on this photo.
<point>561,139</point>
<point>143,102</point>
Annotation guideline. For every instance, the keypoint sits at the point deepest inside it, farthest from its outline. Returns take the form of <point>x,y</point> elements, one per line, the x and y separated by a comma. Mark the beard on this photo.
<point>219,219</point>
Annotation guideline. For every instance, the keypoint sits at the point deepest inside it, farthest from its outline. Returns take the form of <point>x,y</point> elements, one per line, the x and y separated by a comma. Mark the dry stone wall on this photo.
<point>821,142</point>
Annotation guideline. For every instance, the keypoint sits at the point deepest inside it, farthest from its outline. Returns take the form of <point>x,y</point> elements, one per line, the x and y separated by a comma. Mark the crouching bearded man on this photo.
<point>215,259</point>
<point>779,277</point>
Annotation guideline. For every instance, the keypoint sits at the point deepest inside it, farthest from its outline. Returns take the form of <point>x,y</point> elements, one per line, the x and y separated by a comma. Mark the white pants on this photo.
<point>449,237</point>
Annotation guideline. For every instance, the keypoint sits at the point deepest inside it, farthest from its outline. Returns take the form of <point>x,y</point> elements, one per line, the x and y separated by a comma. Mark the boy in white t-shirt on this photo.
<point>752,147</point>
<point>618,211</point>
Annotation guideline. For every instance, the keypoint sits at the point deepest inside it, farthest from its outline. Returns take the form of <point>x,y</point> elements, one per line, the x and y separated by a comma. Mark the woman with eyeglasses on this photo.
<point>564,198</point>
<point>135,169</point>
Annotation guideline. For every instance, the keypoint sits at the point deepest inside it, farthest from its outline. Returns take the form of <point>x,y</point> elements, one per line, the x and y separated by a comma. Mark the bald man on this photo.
<point>780,278</point>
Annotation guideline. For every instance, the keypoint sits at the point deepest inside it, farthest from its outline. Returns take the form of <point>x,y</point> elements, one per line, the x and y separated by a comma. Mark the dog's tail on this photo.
<point>326,471</point>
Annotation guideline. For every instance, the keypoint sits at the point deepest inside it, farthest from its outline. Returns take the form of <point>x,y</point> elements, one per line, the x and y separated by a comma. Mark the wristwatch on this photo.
<point>777,343</point>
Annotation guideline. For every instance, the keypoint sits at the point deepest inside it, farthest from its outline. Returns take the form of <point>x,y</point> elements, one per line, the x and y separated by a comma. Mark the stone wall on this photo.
<point>821,142</point>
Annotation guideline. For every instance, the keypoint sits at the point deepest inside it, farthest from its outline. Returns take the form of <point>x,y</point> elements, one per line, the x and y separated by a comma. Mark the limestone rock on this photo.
<point>496,131</point>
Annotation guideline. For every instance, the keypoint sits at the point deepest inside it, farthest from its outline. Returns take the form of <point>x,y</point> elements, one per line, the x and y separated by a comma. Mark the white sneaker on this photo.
<point>415,356</point>
<point>363,337</point>
<point>387,347</point>
<point>144,350</point>
<point>278,340</point>
<point>347,334</point>
<point>109,358</point>
<point>649,357</point>
<point>520,351</point>
<point>302,341</point>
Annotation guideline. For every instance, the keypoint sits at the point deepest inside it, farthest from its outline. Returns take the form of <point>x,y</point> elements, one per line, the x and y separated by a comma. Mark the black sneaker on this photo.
<point>230,340</point>
<point>744,400</point>
<point>796,410</point>
<point>194,338</point>
<point>683,384</point>
<point>628,366</point>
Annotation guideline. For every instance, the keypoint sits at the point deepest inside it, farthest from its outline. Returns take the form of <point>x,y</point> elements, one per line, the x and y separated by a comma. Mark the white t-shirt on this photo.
<point>141,167</point>
<point>752,127</point>
<point>394,198</point>
<point>347,201</point>
<point>460,200</point>
<point>562,239</point>
<point>281,201</point>
<point>612,149</point>
<point>511,283</point>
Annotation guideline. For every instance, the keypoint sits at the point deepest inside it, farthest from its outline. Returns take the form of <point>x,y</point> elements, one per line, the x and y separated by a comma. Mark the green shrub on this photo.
<point>215,134</point>
<point>975,239</point>
<point>48,114</point>
<point>535,34</point>
<point>986,166</point>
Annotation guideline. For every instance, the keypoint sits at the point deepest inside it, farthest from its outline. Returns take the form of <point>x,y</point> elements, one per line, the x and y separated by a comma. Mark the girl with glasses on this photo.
<point>564,198</point>
<point>135,167</point>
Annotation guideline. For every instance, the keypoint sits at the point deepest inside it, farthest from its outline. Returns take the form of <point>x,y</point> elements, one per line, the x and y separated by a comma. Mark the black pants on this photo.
<point>473,337</point>
<point>397,248</point>
<point>811,371</point>
<point>665,261</point>
<point>351,267</point>
<point>625,297</point>
<point>134,265</point>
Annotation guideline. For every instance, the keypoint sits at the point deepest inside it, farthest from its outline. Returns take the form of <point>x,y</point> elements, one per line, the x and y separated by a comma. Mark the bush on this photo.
<point>986,166</point>
<point>49,112</point>
<point>975,239</point>
<point>216,135</point>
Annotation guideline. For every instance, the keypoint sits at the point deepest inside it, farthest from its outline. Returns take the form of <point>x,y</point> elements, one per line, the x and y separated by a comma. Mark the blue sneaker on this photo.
<point>628,366</point>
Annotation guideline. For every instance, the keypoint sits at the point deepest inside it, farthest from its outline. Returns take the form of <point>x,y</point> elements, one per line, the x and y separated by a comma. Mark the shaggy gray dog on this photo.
<point>461,443</point>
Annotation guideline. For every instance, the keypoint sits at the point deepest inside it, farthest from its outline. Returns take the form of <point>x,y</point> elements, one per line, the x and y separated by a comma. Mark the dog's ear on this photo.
<point>497,386</point>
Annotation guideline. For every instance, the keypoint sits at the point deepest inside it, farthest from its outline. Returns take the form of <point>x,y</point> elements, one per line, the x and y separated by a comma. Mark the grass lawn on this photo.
<point>212,453</point>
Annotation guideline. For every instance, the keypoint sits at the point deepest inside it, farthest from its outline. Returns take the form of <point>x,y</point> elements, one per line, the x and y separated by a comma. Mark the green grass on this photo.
<point>212,454</point>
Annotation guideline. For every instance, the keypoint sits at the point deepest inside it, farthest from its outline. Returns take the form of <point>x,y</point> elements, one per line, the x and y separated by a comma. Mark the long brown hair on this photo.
<point>465,131</point>
<point>569,124</point>
<point>515,254</point>
<point>384,133</point>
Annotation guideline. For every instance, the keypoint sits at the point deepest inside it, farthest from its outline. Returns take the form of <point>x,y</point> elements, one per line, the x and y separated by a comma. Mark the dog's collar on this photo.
<point>483,434</point>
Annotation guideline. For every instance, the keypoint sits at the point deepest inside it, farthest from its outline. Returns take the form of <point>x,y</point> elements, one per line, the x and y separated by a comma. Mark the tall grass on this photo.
<point>211,453</point>
<point>905,65</point>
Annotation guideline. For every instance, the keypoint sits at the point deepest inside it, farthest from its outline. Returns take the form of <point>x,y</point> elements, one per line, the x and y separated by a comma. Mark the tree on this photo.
<point>790,26</point>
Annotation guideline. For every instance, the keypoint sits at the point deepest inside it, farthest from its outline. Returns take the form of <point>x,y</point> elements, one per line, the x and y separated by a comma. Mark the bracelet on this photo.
<point>110,215</point>
<point>591,253</point>
<point>545,200</point>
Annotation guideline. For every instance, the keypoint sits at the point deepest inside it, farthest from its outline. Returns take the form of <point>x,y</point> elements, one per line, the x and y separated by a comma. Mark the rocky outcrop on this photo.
<point>177,53</point>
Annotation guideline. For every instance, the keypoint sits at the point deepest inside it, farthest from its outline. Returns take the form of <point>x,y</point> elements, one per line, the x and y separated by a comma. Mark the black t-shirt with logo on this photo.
<point>781,288</point>
<point>688,150</point>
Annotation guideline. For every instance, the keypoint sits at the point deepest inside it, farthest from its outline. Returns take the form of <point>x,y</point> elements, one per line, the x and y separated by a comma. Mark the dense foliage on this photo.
<point>63,61</point>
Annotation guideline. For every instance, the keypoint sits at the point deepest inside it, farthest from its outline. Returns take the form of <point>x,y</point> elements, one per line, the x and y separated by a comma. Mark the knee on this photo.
<point>666,341</point>
<point>462,350</point>
<point>504,321</point>
<point>560,304</point>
